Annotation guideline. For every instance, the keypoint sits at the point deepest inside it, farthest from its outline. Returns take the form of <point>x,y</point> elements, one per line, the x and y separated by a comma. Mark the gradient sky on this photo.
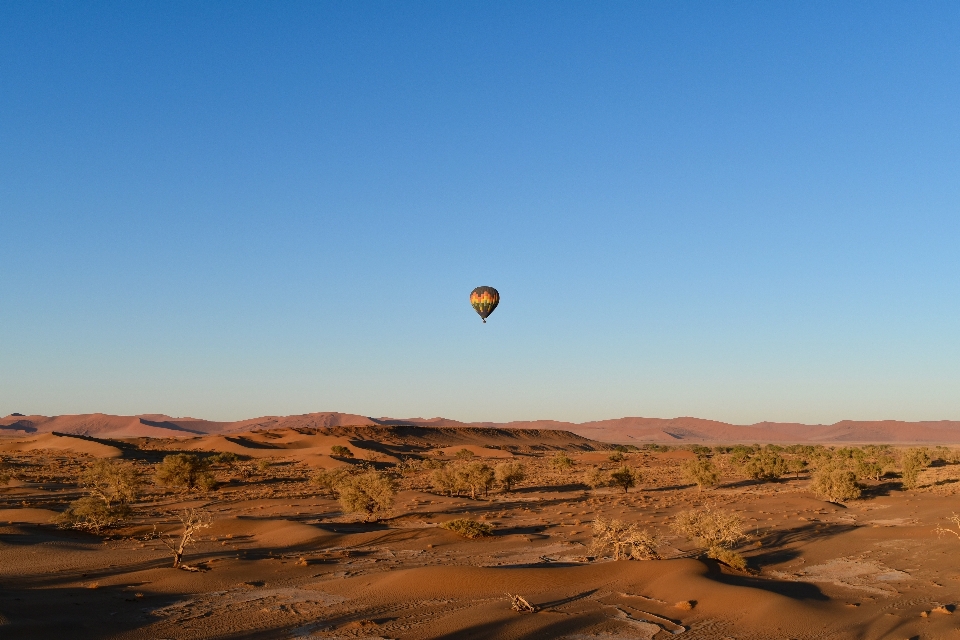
<point>742,211</point>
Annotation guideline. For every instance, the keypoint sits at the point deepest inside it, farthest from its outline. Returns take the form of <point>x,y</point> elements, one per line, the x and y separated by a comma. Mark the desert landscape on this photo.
<point>339,526</point>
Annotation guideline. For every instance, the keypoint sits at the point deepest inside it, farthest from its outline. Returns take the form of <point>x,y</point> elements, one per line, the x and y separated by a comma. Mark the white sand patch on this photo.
<point>853,573</point>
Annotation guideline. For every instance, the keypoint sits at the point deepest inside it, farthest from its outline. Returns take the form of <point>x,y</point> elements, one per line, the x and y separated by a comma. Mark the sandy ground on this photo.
<point>282,561</point>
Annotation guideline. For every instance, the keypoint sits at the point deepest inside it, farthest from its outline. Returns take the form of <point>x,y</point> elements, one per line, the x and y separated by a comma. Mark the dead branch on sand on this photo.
<point>519,604</point>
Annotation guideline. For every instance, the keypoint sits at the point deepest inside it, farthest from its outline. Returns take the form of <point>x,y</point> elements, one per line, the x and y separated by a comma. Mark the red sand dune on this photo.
<point>626,430</point>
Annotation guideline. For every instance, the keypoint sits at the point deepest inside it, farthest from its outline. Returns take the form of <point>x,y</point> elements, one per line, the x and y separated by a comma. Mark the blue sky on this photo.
<point>739,211</point>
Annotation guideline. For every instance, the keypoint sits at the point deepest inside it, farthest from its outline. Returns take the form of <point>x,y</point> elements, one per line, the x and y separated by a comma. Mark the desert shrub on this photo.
<point>596,477</point>
<point>912,462</point>
<point>728,557</point>
<point>5,475</point>
<point>715,529</point>
<point>444,480</point>
<point>702,471</point>
<point>465,454</point>
<point>624,541</point>
<point>328,479</point>
<point>112,481</point>
<point>625,478</point>
<point>475,476</point>
<point>226,458</point>
<point>92,513</point>
<point>616,456</point>
<point>836,484</point>
<point>561,461</point>
<point>340,451</point>
<point>111,485</point>
<point>185,472</point>
<point>766,465</point>
<point>369,493</point>
<point>699,450</point>
<point>469,528</point>
<point>509,473</point>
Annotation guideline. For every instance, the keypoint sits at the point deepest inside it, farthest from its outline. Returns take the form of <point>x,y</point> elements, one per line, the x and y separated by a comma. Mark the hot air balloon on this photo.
<point>484,300</point>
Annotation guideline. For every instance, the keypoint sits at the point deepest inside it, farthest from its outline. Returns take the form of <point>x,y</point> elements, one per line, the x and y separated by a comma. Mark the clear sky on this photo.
<point>742,211</point>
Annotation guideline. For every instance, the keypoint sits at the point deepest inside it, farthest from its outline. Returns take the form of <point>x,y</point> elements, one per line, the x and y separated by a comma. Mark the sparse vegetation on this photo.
<point>596,477</point>
<point>185,472</point>
<point>953,528</point>
<point>327,480</point>
<point>191,521</point>
<point>561,461</point>
<point>465,454</point>
<point>477,477</point>
<point>912,462</point>
<point>110,485</point>
<point>625,478</point>
<point>768,464</point>
<point>624,541</point>
<point>370,493</point>
<point>468,528</point>
<point>702,472</point>
<point>340,451</point>
<point>718,531</point>
<point>836,484</point>
<point>509,474</point>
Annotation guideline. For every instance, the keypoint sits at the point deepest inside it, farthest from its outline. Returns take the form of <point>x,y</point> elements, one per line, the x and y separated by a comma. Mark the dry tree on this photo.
<point>624,541</point>
<point>477,477</point>
<point>192,521</point>
<point>444,480</point>
<point>509,473</point>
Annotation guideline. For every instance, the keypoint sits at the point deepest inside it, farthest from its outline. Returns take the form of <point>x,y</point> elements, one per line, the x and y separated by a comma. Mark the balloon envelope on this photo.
<point>484,300</point>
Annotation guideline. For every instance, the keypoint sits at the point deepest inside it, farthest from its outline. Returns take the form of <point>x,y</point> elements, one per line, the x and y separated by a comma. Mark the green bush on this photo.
<point>340,451</point>
<point>465,454</point>
<point>469,528</point>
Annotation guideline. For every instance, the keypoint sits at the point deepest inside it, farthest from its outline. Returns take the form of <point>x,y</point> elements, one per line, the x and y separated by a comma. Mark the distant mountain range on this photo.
<point>622,430</point>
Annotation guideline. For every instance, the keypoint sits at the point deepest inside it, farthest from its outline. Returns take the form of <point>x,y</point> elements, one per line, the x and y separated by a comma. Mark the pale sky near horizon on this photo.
<point>738,211</point>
